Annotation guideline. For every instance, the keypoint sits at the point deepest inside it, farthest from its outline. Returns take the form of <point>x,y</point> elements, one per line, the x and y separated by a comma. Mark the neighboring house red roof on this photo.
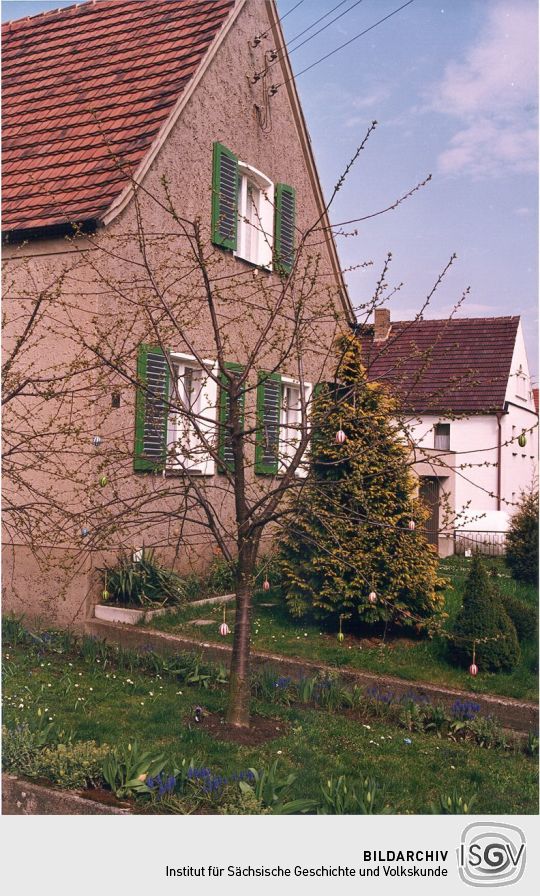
<point>535,397</point>
<point>86,90</point>
<point>454,366</point>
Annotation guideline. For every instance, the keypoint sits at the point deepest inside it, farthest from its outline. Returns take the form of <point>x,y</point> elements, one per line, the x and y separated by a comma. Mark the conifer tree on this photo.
<point>522,540</point>
<point>357,530</point>
<point>483,627</point>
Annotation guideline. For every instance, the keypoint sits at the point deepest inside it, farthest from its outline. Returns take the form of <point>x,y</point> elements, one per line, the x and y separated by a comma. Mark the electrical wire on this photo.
<point>341,47</point>
<point>282,18</point>
<point>275,57</point>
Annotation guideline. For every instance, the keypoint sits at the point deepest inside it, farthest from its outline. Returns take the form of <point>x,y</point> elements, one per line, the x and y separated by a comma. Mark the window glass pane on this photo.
<point>442,436</point>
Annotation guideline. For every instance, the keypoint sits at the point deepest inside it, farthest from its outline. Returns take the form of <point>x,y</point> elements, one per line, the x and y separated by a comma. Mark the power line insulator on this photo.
<point>273,90</point>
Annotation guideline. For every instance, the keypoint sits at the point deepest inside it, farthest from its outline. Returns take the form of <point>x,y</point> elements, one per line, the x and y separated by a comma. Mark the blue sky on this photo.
<point>453,86</point>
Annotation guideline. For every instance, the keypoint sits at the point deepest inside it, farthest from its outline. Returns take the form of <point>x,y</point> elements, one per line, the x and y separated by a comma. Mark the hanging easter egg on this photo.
<point>372,597</point>
<point>522,441</point>
<point>103,481</point>
<point>266,585</point>
<point>473,669</point>
<point>340,637</point>
<point>105,594</point>
<point>412,525</point>
<point>224,629</point>
<point>85,532</point>
<point>340,437</point>
<point>96,441</point>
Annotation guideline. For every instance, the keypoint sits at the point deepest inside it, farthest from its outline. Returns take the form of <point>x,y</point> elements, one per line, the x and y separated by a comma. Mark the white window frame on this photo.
<point>255,237</point>
<point>287,448</point>
<point>178,431</point>
<point>442,437</point>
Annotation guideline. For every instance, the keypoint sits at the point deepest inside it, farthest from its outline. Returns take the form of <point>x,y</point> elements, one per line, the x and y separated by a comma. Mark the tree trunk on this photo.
<point>239,682</point>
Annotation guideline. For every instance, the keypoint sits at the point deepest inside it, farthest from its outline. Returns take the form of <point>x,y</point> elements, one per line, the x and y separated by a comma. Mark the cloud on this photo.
<point>492,93</point>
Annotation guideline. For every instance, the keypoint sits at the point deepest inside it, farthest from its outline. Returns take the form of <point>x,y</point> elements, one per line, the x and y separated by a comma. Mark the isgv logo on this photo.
<point>491,854</point>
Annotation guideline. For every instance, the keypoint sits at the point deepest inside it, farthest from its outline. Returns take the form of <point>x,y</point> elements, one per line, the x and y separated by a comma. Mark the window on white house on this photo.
<point>192,417</point>
<point>255,238</point>
<point>442,436</point>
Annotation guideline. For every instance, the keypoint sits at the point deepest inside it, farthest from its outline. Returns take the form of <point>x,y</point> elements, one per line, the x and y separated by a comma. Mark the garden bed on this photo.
<point>401,655</point>
<point>109,695</point>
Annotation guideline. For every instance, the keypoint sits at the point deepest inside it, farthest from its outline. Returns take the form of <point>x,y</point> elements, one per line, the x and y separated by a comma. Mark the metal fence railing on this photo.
<point>493,544</point>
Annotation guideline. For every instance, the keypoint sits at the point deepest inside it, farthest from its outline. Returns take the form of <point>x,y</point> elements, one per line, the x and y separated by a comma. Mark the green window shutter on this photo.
<point>224,440</point>
<point>224,197</point>
<point>151,409</point>
<point>268,423</point>
<point>284,227</point>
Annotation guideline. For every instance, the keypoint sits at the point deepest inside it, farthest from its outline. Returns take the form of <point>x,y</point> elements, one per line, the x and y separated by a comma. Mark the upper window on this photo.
<point>255,240</point>
<point>442,436</point>
<point>252,216</point>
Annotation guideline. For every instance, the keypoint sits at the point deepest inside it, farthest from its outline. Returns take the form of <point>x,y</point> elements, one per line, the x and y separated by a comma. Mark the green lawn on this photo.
<point>110,701</point>
<point>406,657</point>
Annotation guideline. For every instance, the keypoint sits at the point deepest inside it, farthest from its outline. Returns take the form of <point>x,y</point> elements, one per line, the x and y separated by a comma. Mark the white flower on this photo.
<point>367,726</point>
<point>279,752</point>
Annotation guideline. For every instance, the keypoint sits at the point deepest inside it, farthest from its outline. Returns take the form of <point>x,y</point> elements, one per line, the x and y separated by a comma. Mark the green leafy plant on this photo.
<point>13,630</point>
<point>452,804</point>
<point>522,540</point>
<point>141,583</point>
<point>412,716</point>
<point>270,787</point>
<point>488,733</point>
<point>339,796</point>
<point>438,720</point>
<point>126,769</point>
<point>531,746</point>
<point>72,765</point>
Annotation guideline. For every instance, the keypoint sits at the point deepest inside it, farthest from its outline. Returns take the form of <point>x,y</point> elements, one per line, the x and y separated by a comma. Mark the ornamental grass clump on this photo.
<point>141,581</point>
<point>350,549</point>
<point>483,629</point>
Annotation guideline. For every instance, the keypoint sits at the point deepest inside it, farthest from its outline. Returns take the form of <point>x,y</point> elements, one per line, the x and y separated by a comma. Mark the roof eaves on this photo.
<point>123,199</point>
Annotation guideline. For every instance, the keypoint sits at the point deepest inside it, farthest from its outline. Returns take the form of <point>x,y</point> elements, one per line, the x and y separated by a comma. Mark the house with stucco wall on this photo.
<point>467,409</point>
<point>159,205</point>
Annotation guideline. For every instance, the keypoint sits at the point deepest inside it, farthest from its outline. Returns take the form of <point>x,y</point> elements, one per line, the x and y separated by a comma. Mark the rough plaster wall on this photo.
<point>108,282</point>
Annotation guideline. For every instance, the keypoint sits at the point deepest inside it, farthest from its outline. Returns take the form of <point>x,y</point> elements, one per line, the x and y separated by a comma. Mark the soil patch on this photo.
<point>260,730</point>
<point>99,795</point>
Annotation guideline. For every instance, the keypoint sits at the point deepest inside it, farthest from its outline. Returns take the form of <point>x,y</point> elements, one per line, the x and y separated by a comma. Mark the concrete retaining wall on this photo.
<point>20,797</point>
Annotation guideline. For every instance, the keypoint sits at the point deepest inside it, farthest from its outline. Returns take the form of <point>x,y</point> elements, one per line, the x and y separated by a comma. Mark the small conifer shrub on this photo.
<point>483,626</point>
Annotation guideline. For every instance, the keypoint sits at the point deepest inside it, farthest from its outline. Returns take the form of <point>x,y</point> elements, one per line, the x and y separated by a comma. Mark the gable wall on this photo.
<point>98,304</point>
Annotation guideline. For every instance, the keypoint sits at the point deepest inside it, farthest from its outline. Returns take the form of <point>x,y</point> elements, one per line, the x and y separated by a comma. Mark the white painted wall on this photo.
<point>474,440</point>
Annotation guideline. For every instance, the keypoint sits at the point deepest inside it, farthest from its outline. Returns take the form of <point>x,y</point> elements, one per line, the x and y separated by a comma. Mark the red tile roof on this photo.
<point>535,397</point>
<point>443,367</point>
<point>86,88</point>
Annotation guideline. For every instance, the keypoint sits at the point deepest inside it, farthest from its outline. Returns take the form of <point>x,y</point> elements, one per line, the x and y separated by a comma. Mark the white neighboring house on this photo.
<point>468,408</point>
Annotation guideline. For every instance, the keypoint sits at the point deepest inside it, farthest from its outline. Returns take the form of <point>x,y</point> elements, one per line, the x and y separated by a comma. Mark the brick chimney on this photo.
<point>382,324</point>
